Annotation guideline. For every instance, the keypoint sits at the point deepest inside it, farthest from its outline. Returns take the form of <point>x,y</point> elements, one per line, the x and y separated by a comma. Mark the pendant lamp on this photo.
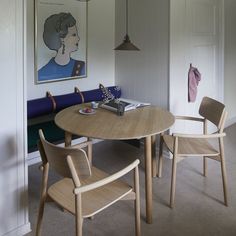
<point>126,44</point>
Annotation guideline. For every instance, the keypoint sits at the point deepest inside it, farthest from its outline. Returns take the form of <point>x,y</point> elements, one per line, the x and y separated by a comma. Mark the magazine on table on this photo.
<point>127,103</point>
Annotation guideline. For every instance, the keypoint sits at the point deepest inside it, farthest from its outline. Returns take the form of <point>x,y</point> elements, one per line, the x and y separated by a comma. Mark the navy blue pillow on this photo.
<point>99,95</point>
<point>67,100</point>
<point>39,107</point>
<point>47,105</point>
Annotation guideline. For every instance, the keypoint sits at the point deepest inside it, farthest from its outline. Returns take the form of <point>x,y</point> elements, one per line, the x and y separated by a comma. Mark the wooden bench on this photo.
<point>41,112</point>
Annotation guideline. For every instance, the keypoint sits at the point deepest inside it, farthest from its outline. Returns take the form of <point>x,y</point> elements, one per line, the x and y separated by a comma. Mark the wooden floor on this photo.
<point>199,208</point>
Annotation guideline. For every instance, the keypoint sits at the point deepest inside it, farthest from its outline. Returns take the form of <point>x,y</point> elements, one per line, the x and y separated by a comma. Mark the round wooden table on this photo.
<point>144,122</point>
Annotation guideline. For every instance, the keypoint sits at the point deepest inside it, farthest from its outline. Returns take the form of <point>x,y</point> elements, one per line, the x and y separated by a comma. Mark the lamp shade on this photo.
<point>127,45</point>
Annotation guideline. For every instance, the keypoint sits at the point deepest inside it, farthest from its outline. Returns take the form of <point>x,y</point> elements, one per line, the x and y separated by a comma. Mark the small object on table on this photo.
<point>94,105</point>
<point>87,111</point>
<point>121,109</point>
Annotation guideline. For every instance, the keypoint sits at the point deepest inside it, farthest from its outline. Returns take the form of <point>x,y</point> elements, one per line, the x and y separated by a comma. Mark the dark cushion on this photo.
<point>51,132</point>
<point>39,107</point>
<point>43,106</point>
<point>98,95</point>
<point>67,100</point>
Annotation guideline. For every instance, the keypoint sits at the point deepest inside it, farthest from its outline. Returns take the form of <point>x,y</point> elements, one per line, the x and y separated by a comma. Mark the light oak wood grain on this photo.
<point>138,123</point>
<point>84,190</point>
<point>144,122</point>
<point>184,145</point>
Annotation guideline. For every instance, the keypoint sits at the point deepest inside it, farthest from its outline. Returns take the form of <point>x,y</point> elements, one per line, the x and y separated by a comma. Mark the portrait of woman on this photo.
<point>60,34</point>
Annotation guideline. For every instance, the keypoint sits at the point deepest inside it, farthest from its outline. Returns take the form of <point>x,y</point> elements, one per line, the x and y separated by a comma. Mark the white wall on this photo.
<point>13,169</point>
<point>230,58</point>
<point>144,75</point>
<point>101,21</point>
<point>195,37</point>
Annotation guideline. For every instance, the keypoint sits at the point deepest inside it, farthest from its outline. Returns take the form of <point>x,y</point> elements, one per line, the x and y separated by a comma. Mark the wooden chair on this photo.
<point>84,190</point>
<point>182,145</point>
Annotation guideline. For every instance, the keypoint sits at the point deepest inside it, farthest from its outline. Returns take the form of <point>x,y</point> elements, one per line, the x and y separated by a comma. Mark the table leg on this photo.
<point>154,158</point>
<point>68,138</point>
<point>148,178</point>
<point>160,156</point>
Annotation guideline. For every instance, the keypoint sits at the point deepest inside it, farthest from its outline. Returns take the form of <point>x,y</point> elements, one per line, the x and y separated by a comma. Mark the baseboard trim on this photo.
<point>167,154</point>
<point>33,158</point>
<point>20,231</point>
<point>230,122</point>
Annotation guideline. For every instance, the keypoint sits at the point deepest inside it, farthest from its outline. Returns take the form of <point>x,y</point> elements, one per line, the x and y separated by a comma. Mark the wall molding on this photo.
<point>21,230</point>
<point>230,122</point>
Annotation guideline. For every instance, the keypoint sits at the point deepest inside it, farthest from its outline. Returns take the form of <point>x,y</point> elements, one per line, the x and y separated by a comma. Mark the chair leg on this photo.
<point>43,197</point>
<point>223,172</point>
<point>137,203</point>
<point>78,215</point>
<point>173,182</point>
<point>204,166</point>
<point>204,158</point>
<point>159,174</point>
<point>40,217</point>
<point>68,139</point>
<point>224,180</point>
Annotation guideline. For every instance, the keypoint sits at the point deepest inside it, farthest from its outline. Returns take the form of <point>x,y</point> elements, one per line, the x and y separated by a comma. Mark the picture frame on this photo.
<point>60,40</point>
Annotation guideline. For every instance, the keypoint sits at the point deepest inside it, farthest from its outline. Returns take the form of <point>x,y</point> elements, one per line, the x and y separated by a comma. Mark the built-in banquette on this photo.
<point>41,112</point>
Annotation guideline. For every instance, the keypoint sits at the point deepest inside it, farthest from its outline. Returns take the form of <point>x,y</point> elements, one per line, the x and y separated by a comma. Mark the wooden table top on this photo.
<point>105,124</point>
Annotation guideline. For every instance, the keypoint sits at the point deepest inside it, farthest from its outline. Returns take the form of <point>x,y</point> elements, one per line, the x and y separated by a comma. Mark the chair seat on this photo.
<point>93,201</point>
<point>191,146</point>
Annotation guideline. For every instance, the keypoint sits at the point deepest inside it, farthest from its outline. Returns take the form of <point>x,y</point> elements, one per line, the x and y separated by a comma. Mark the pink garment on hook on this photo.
<point>194,77</point>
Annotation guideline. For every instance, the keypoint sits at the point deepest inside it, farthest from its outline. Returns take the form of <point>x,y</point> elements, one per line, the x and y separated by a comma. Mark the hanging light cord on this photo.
<point>127,20</point>
<point>126,44</point>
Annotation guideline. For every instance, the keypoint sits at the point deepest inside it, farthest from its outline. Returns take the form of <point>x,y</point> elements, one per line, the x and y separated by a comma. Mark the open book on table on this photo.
<point>128,104</point>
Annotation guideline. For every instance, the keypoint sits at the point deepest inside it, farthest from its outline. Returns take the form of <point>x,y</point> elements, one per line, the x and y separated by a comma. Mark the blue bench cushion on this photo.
<point>43,106</point>
<point>53,104</point>
<point>98,94</point>
<point>67,100</point>
<point>39,107</point>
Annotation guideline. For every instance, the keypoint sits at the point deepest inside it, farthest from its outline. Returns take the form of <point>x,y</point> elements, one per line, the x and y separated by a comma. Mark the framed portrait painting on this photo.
<point>60,40</point>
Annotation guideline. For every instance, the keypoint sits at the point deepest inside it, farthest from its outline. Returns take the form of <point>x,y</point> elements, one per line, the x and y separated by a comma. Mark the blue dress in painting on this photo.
<point>53,71</point>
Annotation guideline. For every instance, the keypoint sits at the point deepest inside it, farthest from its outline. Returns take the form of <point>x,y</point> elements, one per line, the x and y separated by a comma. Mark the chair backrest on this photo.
<point>213,111</point>
<point>57,158</point>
